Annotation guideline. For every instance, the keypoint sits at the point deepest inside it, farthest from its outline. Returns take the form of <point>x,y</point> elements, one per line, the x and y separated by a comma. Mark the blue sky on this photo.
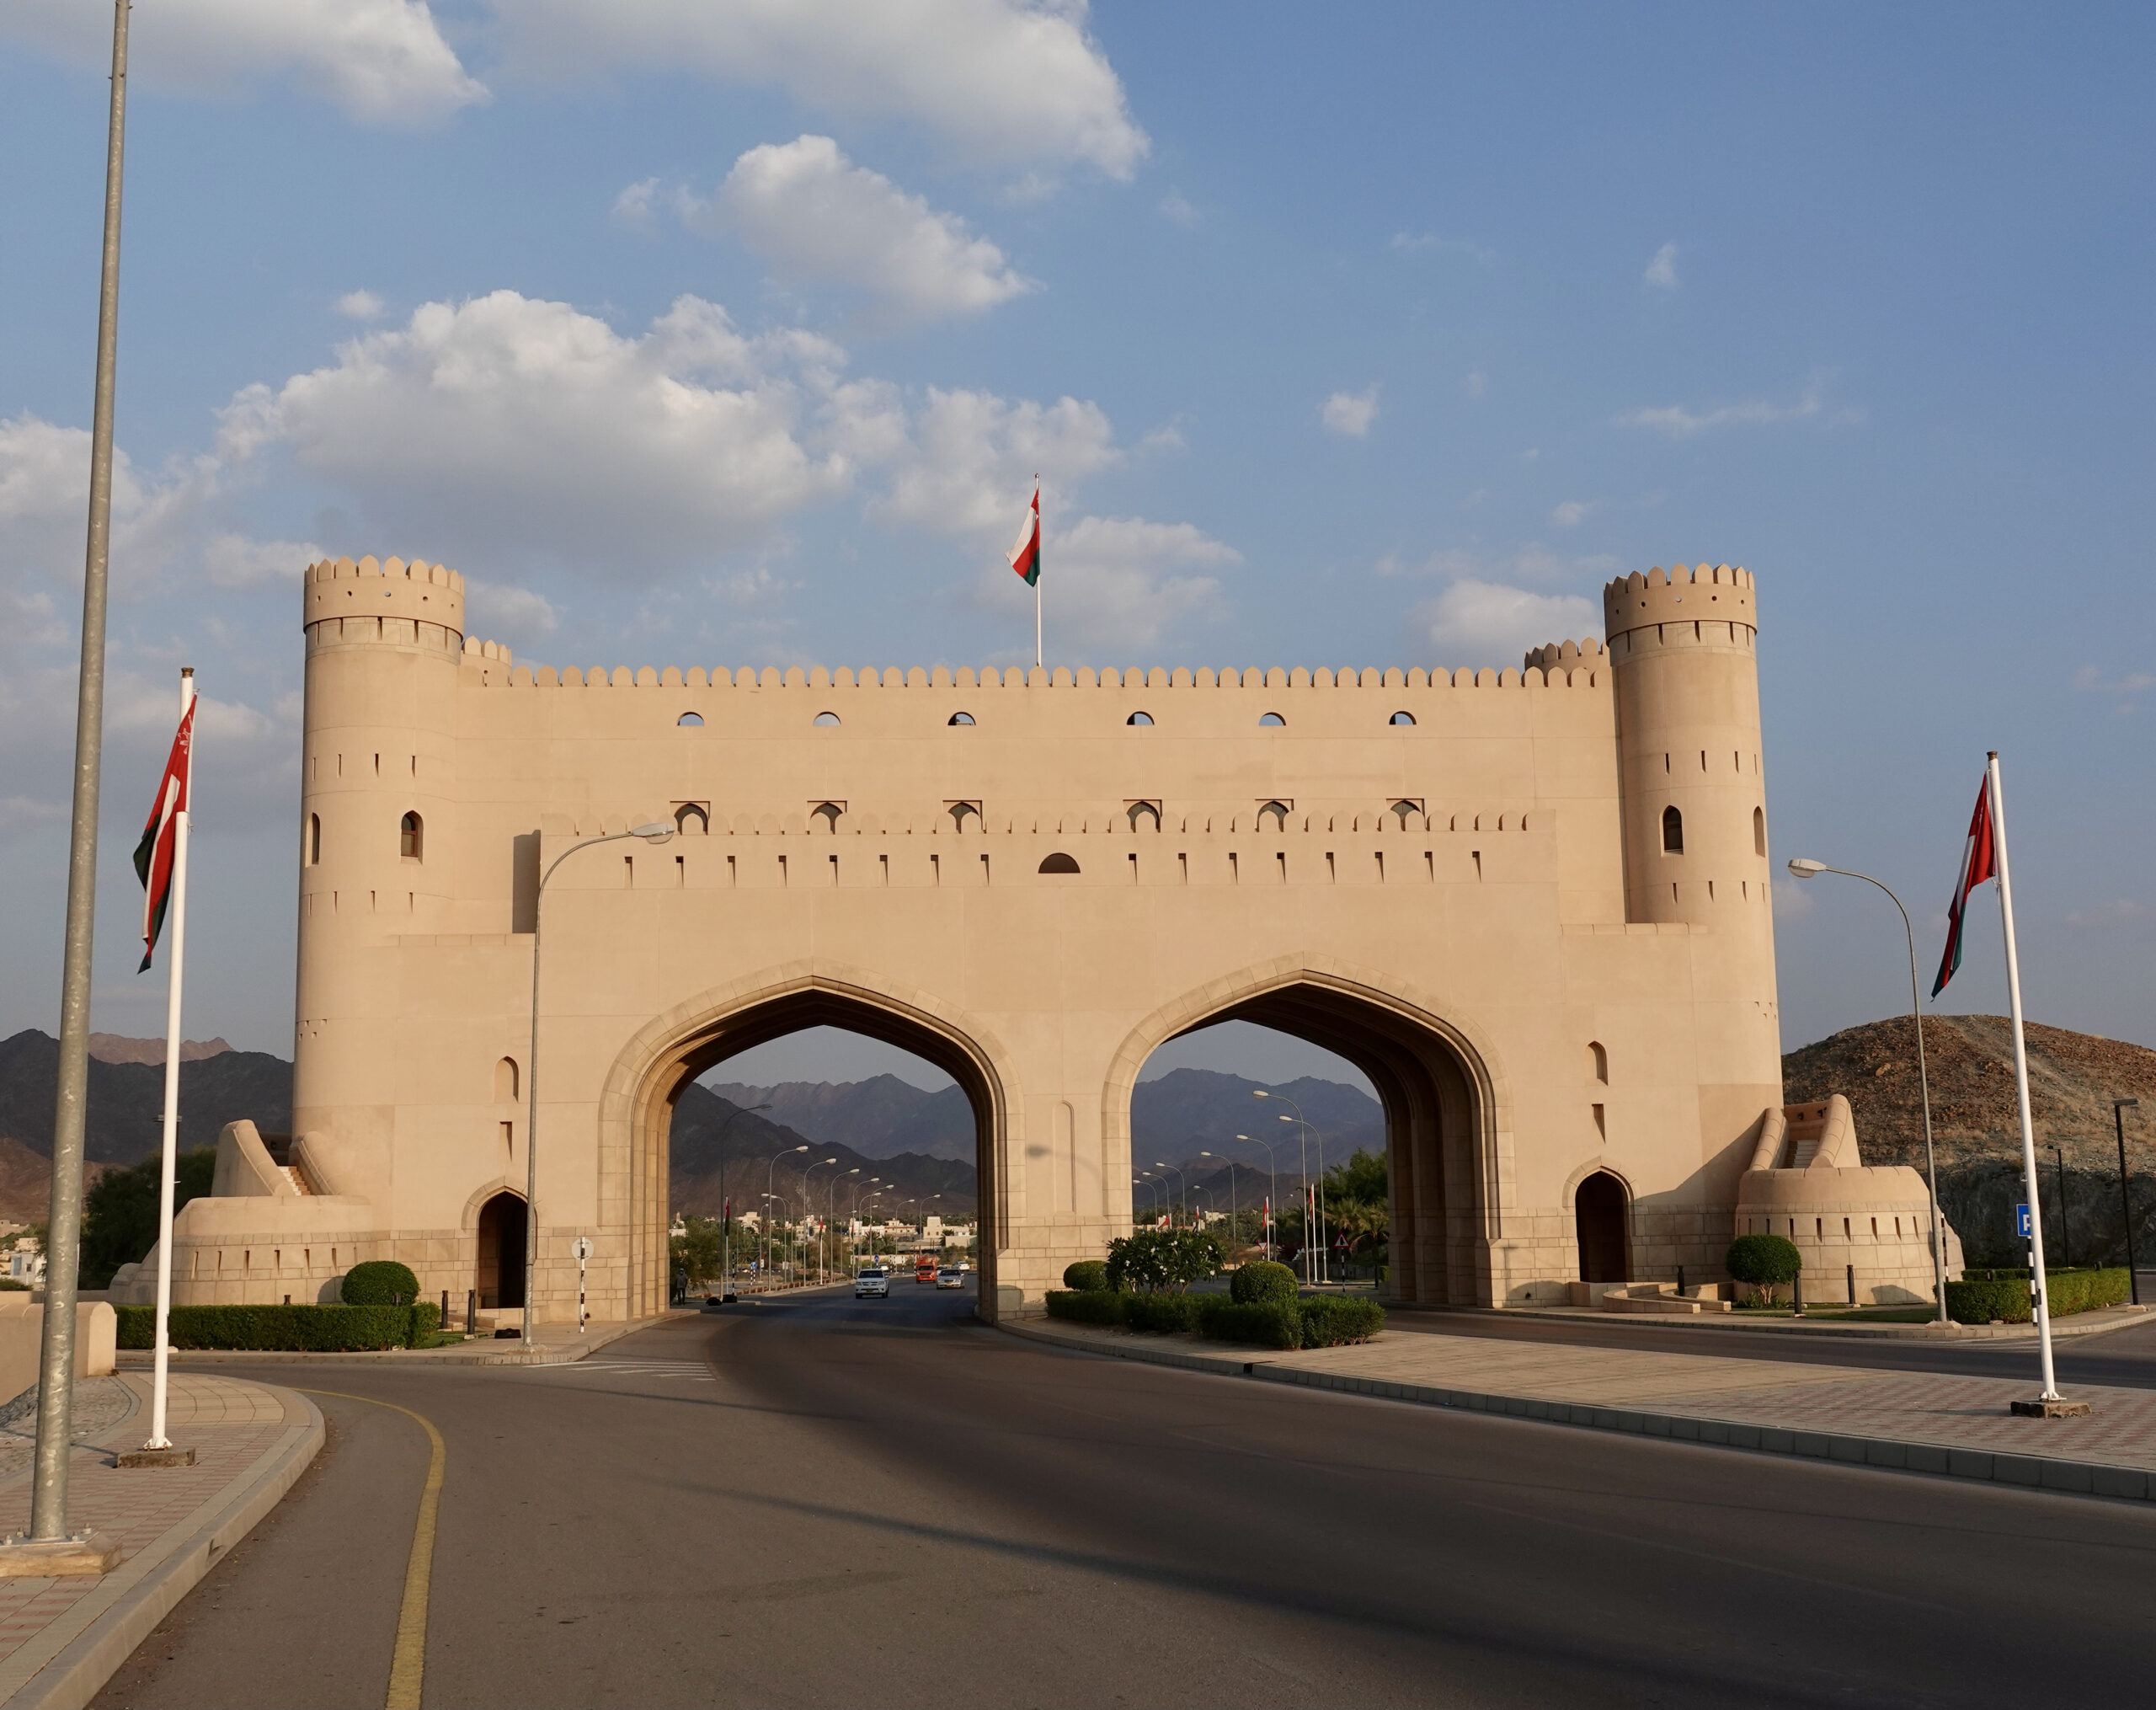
<point>701,333</point>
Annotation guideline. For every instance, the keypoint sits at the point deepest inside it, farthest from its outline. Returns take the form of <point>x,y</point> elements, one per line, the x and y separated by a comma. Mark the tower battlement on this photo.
<point>1720,594</point>
<point>415,604</point>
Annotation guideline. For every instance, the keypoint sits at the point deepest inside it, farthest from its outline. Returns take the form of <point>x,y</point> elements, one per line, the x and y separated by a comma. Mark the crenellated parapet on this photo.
<point>1567,657</point>
<point>1713,604</point>
<point>412,604</point>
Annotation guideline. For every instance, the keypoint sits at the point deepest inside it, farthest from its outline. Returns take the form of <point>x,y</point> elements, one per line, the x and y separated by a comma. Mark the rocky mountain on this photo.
<point>2073,1079</point>
<point>879,1118</point>
<point>714,1138</point>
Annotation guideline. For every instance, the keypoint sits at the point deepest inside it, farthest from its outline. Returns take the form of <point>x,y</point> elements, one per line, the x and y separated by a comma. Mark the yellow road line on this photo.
<point>408,1663</point>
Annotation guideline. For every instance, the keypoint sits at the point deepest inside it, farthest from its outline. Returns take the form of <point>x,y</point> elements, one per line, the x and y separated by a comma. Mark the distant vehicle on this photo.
<point>924,1269</point>
<point>950,1278</point>
<point>873,1285</point>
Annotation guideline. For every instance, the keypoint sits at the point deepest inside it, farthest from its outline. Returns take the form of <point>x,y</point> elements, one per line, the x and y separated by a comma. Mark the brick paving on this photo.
<point>238,1431</point>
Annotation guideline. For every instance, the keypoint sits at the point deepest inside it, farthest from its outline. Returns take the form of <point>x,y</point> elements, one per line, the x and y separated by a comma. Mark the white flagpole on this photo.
<point>166,1183</point>
<point>2039,1292</point>
<point>1040,541</point>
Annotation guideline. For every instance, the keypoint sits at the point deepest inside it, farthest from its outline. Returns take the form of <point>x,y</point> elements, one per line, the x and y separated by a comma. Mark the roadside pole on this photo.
<point>582,1249</point>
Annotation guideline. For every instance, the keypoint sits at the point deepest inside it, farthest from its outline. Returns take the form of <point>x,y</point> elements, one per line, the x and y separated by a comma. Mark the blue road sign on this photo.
<point>2021,1222</point>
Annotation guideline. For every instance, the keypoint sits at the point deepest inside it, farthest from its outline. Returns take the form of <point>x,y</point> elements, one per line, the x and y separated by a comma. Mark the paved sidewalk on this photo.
<point>1907,1421</point>
<point>61,1638</point>
<point>2095,1323</point>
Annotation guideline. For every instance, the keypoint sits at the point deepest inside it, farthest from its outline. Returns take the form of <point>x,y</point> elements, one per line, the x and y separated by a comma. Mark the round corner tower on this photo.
<point>384,644</point>
<point>1682,647</point>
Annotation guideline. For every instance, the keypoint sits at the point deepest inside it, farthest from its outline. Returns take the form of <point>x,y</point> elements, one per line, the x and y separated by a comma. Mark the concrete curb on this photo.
<point>479,1353</point>
<point>2026,1472</point>
<point>2078,1325</point>
<point>71,1678</point>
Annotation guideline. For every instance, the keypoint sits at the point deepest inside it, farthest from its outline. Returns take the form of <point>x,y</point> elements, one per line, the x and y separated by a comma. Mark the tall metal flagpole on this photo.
<point>166,1185</point>
<point>1040,540</point>
<point>2039,1291</point>
<point>64,1231</point>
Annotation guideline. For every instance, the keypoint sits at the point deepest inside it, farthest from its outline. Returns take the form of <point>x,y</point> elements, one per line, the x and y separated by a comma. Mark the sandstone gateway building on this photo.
<point>1531,905</point>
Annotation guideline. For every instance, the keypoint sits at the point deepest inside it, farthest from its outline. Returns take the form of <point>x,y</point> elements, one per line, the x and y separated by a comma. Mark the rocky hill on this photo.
<point>2073,1079</point>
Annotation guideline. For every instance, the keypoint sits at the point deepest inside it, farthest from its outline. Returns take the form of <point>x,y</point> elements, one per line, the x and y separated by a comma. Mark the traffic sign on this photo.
<point>581,1247</point>
<point>2021,1220</point>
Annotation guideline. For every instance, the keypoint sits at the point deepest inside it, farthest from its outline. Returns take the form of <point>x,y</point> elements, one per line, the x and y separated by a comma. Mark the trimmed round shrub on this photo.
<point>1764,1261</point>
<point>380,1282</point>
<point>1263,1283</point>
<point>1089,1276</point>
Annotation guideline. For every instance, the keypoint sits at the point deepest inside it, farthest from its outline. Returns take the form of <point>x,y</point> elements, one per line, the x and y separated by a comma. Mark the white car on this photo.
<point>872,1284</point>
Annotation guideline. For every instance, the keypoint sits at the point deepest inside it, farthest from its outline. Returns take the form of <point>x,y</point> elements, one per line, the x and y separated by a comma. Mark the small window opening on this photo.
<point>958,812</point>
<point>825,719</point>
<point>1404,810</point>
<point>1272,718</point>
<point>1599,1060</point>
<point>1275,811</point>
<point>692,815</point>
<point>1403,717</point>
<point>828,812</point>
<point>1140,812</point>
<point>505,1078</point>
<point>690,718</point>
<point>1673,831</point>
<point>960,718</point>
<point>1139,719</point>
<point>1759,831</point>
<point>1059,863</point>
<point>314,840</point>
<point>411,838</point>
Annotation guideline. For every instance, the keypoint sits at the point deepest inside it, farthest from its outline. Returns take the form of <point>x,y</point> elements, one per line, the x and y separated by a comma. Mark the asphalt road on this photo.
<point>819,1503</point>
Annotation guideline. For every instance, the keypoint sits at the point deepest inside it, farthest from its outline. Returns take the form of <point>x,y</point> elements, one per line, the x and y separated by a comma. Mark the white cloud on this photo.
<point>1662,270</point>
<point>1529,562</point>
<point>1006,83</point>
<point>1572,513</point>
<point>633,206</point>
<point>1792,898</point>
<point>1476,384</point>
<point>2091,681</point>
<point>45,484</point>
<point>1477,622</point>
<point>499,610</point>
<point>384,62</point>
<point>814,215</point>
<point>21,814</point>
<point>1350,413</point>
<point>970,458</point>
<point>2121,913</point>
<point>510,423</point>
<point>234,561</point>
<point>1682,423</point>
<point>1175,207</point>
<point>1113,581</point>
<point>360,306</point>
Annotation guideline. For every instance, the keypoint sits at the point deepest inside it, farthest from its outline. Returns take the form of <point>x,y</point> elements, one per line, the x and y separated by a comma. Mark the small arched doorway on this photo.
<point>1605,1250</point>
<point>500,1270</point>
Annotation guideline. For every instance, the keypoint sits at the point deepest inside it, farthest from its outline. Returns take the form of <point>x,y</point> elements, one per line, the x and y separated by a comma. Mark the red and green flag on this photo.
<point>1979,862</point>
<point>1026,556</point>
<point>153,855</point>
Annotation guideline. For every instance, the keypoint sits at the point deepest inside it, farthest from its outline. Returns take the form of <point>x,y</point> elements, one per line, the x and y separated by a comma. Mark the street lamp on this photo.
<point>809,1206</point>
<point>1235,1207</point>
<point>2119,1107</point>
<point>769,1177</point>
<point>657,832</point>
<point>830,1209</point>
<point>1273,1188</point>
<point>1803,869</point>
<point>725,1213</point>
<point>1182,1187</point>
<point>1316,1199</point>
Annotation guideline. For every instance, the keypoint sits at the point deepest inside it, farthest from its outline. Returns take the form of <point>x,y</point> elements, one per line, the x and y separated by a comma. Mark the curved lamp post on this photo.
<point>770,1178</point>
<point>830,1209</point>
<point>1235,1207</point>
<point>1182,1187</point>
<point>725,1219</point>
<point>1803,869</point>
<point>1273,1186</point>
<point>1319,1271</point>
<point>809,1205</point>
<point>659,831</point>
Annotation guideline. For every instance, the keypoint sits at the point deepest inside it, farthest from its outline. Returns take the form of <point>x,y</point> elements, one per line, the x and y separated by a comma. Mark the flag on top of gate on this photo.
<point>153,854</point>
<point>1026,556</point>
<point>1978,864</point>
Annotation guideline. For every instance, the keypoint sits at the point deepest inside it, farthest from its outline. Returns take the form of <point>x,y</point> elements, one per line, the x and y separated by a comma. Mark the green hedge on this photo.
<point>1328,1320</point>
<point>1983,1295</point>
<point>1085,1306</point>
<point>1087,1276</point>
<point>284,1329</point>
<point>380,1282</point>
<point>1262,1282</point>
<point>1259,1324</point>
<point>1161,1314</point>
